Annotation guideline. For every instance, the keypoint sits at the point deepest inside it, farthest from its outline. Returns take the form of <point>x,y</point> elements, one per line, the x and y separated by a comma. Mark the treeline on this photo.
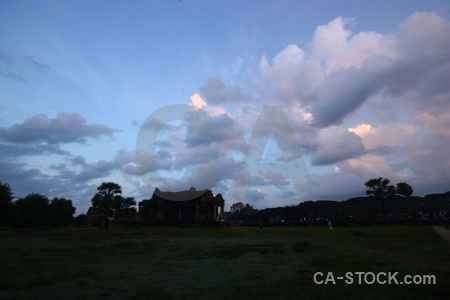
<point>384,203</point>
<point>108,208</point>
<point>354,210</point>
<point>34,210</point>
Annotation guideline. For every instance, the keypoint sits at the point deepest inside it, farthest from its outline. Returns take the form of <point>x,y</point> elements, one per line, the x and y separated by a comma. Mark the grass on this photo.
<point>244,263</point>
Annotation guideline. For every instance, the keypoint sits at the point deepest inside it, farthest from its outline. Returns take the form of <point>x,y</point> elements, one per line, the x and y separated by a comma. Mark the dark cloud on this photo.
<point>254,195</point>
<point>346,91</point>
<point>78,160</point>
<point>153,124</point>
<point>221,129</point>
<point>10,71</point>
<point>100,169</point>
<point>37,65</point>
<point>215,91</point>
<point>335,144</point>
<point>24,180</point>
<point>330,186</point>
<point>65,128</point>
<point>276,179</point>
<point>12,76</point>
<point>202,176</point>
<point>12,151</point>
<point>273,124</point>
<point>141,164</point>
<point>244,178</point>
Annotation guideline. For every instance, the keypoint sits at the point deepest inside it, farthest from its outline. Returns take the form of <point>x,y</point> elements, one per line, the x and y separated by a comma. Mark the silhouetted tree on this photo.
<point>236,208</point>
<point>124,210</point>
<point>6,204</point>
<point>381,189</point>
<point>104,201</point>
<point>405,191</point>
<point>81,221</point>
<point>108,204</point>
<point>33,210</point>
<point>61,212</point>
<point>247,212</point>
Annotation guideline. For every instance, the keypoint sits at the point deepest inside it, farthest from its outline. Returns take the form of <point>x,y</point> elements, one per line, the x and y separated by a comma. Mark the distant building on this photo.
<point>189,207</point>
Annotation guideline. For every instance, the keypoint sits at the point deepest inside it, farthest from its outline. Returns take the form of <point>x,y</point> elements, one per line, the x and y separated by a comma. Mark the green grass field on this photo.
<point>227,263</point>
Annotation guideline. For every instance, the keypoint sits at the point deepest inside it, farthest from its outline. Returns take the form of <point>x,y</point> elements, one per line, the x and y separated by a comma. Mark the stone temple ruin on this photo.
<point>189,208</point>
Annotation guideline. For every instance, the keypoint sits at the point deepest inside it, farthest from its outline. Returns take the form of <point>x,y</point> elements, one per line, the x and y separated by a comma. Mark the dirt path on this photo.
<point>443,232</point>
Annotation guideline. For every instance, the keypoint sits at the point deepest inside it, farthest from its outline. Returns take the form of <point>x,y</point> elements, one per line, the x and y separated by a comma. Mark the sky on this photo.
<point>270,103</point>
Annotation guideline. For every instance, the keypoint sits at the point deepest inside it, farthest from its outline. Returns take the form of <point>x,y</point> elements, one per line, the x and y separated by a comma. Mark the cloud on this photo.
<point>12,151</point>
<point>37,65</point>
<point>360,104</point>
<point>277,179</point>
<point>203,175</point>
<point>25,180</point>
<point>254,195</point>
<point>9,70</point>
<point>334,144</point>
<point>225,131</point>
<point>65,128</point>
<point>393,86</point>
<point>197,101</point>
<point>215,91</point>
<point>344,69</point>
<point>329,186</point>
<point>390,135</point>
<point>13,76</point>
<point>42,135</point>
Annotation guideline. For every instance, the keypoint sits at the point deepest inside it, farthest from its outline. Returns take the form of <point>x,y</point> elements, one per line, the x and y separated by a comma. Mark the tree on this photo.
<point>124,210</point>
<point>61,212</point>
<point>404,190</point>
<point>81,221</point>
<point>104,201</point>
<point>236,208</point>
<point>381,189</point>
<point>33,210</point>
<point>6,204</point>
<point>247,212</point>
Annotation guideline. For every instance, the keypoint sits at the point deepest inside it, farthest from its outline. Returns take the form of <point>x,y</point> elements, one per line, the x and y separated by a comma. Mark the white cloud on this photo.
<point>390,135</point>
<point>197,101</point>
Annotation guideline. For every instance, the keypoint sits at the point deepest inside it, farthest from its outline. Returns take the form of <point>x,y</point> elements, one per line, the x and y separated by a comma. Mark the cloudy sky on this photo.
<point>267,102</point>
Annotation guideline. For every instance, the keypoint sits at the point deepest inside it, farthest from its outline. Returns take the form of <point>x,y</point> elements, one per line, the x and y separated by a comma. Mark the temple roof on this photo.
<point>190,194</point>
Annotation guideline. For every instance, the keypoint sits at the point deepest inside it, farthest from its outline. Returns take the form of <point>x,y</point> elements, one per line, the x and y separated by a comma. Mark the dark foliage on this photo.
<point>6,204</point>
<point>61,212</point>
<point>81,221</point>
<point>34,210</point>
<point>108,204</point>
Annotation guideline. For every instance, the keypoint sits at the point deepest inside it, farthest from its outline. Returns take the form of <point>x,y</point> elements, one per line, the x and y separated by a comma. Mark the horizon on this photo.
<point>270,103</point>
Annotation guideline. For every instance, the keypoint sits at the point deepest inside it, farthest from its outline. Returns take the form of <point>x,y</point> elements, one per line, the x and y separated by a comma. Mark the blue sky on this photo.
<point>363,86</point>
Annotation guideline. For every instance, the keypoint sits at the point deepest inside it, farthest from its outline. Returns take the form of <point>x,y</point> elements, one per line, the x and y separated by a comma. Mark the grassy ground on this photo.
<point>232,263</point>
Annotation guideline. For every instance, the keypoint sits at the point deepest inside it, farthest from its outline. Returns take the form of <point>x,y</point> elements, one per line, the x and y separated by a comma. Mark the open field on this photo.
<point>227,263</point>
